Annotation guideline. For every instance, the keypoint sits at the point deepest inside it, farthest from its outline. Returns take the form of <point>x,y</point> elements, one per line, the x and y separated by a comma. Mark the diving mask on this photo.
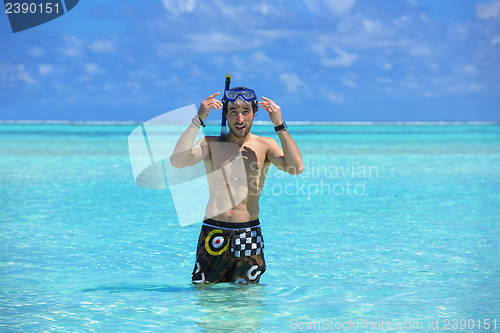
<point>231,95</point>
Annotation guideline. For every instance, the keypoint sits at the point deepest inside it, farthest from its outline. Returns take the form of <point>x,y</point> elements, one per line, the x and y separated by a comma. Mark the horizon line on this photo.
<point>260,122</point>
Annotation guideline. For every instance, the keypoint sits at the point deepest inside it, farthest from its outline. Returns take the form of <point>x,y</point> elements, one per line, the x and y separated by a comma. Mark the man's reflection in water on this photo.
<point>230,307</point>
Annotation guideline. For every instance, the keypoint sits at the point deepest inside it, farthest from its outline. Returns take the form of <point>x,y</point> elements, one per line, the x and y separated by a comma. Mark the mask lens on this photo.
<point>232,94</point>
<point>248,94</point>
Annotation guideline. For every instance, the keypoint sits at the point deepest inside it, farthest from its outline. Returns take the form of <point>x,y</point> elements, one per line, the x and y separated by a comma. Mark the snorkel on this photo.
<point>223,128</point>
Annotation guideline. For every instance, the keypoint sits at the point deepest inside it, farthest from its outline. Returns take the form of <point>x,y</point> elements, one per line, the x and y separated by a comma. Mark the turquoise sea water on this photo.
<point>412,236</point>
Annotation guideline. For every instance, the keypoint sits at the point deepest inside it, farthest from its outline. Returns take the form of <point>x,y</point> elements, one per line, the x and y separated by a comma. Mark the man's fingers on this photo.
<point>214,95</point>
<point>266,106</point>
<point>268,110</point>
<point>267,103</point>
<point>210,102</point>
<point>216,104</point>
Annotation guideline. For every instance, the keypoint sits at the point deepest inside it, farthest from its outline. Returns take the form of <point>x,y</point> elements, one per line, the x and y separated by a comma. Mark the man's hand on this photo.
<point>273,109</point>
<point>209,103</point>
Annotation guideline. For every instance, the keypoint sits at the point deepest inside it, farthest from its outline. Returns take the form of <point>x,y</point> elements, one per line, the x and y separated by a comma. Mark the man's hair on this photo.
<point>255,104</point>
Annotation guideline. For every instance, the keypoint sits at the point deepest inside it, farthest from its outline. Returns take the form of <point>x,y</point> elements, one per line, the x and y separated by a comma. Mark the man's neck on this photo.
<point>239,141</point>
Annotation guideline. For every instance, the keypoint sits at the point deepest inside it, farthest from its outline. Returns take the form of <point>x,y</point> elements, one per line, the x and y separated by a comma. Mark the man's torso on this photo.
<point>241,181</point>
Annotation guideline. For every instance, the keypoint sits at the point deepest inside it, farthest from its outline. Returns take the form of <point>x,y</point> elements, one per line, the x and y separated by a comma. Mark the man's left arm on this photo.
<point>288,159</point>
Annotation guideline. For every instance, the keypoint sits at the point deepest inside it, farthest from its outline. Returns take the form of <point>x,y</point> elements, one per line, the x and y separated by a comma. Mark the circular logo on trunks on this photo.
<point>215,243</point>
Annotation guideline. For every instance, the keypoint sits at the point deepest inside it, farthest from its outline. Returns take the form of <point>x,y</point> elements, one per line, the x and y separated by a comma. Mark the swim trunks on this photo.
<point>229,252</point>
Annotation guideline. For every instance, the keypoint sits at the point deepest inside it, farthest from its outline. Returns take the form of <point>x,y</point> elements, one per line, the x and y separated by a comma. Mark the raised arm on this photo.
<point>185,154</point>
<point>287,159</point>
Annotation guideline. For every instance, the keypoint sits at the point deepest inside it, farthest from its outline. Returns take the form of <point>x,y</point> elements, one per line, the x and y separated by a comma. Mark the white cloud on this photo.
<point>360,23</point>
<point>424,17</point>
<point>246,14</point>
<point>177,7</point>
<point>361,33</point>
<point>469,69</point>
<point>348,83</point>
<point>435,67</point>
<point>467,88</point>
<point>263,9</point>
<point>332,96</point>
<point>45,69</point>
<point>282,32</point>
<point>473,87</point>
<point>261,58</point>
<point>411,85</point>
<point>102,46</point>
<point>137,75</point>
<point>495,40</point>
<point>386,66</point>
<point>108,87</point>
<point>335,7</point>
<point>92,69</point>
<point>74,47</point>
<point>233,11</point>
<point>402,20</point>
<point>339,7</point>
<point>373,27</point>
<point>413,2</point>
<point>133,85</point>
<point>214,42</point>
<point>429,94</point>
<point>384,80</point>
<point>410,82</point>
<point>420,51</point>
<point>195,71</point>
<point>438,81</point>
<point>37,52</point>
<point>344,59</point>
<point>11,73</point>
<point>460,32</point>
<point>319,49</point>
<point>24,76</point>
<point>488,10</point>
<point>291,81</point>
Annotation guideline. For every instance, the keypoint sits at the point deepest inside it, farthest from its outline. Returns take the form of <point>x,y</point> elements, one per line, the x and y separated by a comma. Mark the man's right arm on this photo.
<point>184,153</point>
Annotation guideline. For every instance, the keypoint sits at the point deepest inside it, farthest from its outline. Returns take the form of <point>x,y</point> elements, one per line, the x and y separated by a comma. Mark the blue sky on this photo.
<point>361,60</point>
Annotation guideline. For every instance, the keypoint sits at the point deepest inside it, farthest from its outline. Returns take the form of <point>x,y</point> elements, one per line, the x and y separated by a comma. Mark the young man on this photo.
<point>230,246</point>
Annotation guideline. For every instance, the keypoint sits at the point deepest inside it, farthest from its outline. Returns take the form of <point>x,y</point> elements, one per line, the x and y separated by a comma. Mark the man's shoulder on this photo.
<point>265,140</point>
<point>265,143</point>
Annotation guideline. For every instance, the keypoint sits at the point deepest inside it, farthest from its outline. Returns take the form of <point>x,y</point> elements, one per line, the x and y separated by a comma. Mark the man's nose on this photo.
<point>240,117</point>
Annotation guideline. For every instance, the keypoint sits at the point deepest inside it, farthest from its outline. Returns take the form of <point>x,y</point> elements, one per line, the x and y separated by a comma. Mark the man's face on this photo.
<point>240,117</point>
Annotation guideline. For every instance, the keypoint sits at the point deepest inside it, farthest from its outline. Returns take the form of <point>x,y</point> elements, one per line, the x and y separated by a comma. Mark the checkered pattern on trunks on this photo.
<point>247,242</point>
